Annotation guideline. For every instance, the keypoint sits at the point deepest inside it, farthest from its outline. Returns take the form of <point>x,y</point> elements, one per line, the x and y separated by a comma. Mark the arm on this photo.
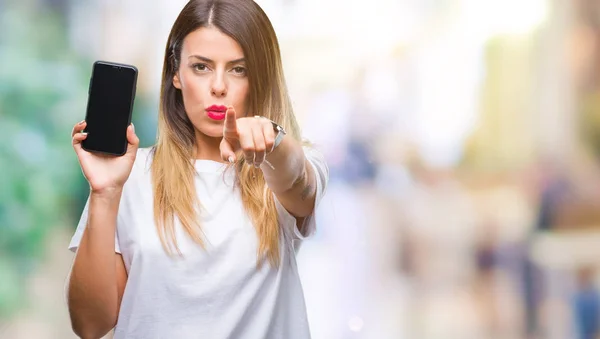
<point>292,180</point>
<point>98,276</point>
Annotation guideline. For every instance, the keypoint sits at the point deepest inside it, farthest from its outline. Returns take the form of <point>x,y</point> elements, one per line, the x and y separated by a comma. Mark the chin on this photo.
<point>212,131</point>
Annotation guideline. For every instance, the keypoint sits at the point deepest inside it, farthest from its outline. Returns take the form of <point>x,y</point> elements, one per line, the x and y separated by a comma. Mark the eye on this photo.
<point>239,70</point>
<point>200,67</point>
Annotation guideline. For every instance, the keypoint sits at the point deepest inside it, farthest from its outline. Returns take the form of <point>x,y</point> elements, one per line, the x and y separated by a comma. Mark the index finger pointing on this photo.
<point>230,127</point>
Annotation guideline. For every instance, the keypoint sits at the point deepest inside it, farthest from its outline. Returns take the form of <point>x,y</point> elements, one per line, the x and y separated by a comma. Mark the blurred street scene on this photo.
<point>463,139</point>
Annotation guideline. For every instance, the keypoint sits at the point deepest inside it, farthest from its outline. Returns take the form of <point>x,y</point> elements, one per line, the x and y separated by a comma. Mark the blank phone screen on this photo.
<point>109,108</point>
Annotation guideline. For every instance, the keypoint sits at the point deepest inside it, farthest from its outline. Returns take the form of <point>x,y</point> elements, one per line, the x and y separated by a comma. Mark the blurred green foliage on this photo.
<point>43,93</point>
<point>590,121</point>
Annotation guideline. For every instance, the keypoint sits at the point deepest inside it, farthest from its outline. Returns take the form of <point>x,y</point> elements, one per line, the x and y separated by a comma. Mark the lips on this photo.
<point>216,112</point>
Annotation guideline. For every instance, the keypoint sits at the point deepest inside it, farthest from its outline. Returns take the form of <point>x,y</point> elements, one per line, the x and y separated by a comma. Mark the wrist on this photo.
<point>279,134</point>
<point>106,193</point>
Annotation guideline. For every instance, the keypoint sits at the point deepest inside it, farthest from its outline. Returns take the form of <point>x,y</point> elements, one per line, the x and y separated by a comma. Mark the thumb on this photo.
<point>227,153</point>
<point>132,138</point>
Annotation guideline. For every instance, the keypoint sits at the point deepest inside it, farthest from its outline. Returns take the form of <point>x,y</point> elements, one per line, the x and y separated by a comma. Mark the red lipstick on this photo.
<point>216,112</point>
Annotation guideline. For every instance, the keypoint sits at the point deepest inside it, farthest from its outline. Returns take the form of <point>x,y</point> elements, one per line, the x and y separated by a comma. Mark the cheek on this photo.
<point>240,98</point>
<point>192,88</point>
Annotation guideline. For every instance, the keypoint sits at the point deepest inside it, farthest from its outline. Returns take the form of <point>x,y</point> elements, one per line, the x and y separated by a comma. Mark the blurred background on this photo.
<point>463,138</point>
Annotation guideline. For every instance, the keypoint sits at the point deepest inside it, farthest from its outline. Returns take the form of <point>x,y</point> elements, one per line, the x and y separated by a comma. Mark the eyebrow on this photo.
<point>205,59</point>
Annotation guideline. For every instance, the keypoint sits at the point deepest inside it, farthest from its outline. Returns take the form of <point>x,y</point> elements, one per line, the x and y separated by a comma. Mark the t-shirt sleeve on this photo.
<point>317,161</point>
<point>76,239</point>
<point>321,171</point>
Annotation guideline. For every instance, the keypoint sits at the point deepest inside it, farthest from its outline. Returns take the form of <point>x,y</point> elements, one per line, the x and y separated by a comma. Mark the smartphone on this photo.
<point>110,103</point>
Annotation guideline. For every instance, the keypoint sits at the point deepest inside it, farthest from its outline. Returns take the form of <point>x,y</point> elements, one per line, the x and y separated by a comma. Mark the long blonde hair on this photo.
<point>172,169</point>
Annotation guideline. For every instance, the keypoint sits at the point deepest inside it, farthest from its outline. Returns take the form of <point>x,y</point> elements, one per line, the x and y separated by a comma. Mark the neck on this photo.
<point>207,148</point>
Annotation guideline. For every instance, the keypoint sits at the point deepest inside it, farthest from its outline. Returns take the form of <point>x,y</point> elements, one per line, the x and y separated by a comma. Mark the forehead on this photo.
<point>211,43</point>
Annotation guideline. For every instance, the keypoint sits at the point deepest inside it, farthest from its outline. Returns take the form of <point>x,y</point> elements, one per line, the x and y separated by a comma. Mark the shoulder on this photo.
<point>140,172</point>
<point>143,159</point>
<point>316,158</point>
<point>313,152</point>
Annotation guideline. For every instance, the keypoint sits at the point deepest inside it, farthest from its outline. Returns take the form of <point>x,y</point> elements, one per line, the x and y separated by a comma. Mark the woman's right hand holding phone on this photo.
<point>105,173</point>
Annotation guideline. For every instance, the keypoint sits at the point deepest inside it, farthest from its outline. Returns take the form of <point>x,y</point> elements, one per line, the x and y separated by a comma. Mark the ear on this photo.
<point>176,81</point>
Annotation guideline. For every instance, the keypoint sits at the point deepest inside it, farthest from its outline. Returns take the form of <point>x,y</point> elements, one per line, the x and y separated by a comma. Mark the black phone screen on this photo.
<point>110,102</point>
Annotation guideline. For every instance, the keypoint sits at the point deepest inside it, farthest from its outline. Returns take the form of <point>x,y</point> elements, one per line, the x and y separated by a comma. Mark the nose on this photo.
<point>218,87</point>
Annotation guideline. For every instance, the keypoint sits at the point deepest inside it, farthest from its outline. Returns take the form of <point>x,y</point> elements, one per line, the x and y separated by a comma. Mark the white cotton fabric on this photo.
<point>217,293</point>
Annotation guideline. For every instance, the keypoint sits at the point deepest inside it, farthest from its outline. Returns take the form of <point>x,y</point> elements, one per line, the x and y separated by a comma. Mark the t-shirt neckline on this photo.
<point>209,166</point>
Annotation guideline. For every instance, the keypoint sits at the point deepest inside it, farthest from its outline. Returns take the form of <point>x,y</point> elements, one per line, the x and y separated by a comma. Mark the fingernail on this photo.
<point>81,122</point>
<point>133,126</point>
<point>84,133</point>
<point>230,159</point>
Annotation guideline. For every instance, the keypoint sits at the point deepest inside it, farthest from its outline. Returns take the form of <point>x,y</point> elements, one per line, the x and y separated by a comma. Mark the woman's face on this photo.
<point>211,76</point>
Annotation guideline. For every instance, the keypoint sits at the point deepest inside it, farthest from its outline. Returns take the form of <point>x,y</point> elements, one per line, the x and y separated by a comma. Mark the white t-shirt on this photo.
<point>218,293</point>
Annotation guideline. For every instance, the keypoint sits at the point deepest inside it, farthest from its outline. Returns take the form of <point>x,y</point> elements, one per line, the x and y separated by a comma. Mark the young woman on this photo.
<point>196,237</point>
